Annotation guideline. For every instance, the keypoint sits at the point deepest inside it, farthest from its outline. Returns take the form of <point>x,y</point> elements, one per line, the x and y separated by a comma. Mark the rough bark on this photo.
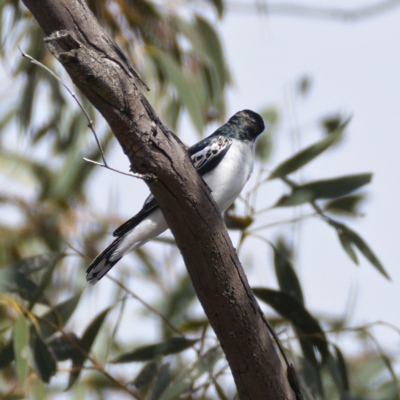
<point>101,72</point>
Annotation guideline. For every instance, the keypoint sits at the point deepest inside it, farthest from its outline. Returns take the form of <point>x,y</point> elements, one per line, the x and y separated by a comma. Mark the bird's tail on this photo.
<point>102,263</point>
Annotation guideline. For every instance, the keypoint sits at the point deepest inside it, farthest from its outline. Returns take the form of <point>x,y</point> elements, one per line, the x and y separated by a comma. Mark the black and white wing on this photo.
<point>208,153</point>
<point>205,155</point>
<point>149,206</point>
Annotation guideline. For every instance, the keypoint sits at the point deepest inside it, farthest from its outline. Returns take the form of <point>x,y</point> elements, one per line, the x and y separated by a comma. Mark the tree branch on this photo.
<point>103,74</point>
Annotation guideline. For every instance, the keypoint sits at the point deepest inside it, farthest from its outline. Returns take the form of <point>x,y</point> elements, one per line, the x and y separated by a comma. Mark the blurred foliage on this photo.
<point>55,333</point>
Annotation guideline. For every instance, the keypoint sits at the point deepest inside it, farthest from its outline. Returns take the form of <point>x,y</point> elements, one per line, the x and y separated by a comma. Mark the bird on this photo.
<point>224,160</point>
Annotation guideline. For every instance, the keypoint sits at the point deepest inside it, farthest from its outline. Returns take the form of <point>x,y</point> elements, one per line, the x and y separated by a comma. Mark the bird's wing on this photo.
<point>205,155</point>
<point>149,206</point>
<point>209,152</point>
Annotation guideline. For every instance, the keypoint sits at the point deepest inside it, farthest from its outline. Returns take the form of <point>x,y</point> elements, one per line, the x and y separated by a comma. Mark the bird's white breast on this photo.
<point>228,179</point>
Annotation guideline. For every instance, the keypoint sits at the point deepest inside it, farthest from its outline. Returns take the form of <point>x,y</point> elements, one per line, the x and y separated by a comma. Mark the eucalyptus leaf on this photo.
<point>286,275</point>
<point>65,347</point>
<point>184,381</point>
<point>21,346</point>
<point>146,353</point>
<point>44,358</point>
<point>146,375</point>
<point>161,382</point>
<point>182,85</point>
<point>58,316</point>
<point>343,370</point>
<point>308,154</point>
<point>350,238</point>
<point>7,354</point>
<point>344,205</point>
<point>324,189</point>
<point>85,345</point>
<point>290,308</point>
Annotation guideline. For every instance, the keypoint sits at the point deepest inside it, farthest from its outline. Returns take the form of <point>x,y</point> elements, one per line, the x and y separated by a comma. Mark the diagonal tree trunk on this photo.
<point>100,70</point>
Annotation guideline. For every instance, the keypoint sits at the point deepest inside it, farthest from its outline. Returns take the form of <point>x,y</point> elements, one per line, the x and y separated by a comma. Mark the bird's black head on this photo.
<point>244,125</point>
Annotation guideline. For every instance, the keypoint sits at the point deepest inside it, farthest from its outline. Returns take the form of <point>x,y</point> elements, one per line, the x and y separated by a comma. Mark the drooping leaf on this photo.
<point>7,354</point>
<point>58,316</point>
<point>290,308</point>
<point>308,154</point>
<point>65,347</point>
<point>286,275</point>
<point>219,6</point>
<point>25,287</point>
<point>342,366</point>
<point>347,246</point>
<point>348,235</point>
<point>38,390</point>
<point>311,368</point>
<point>184,381</point>
<point>175,307</point>
<point>344,205</point>
<point>324,189</point>
<point>182,84</point>
<point>146,353</point>
<point>212,47</point>
<point>86,343</point>
<point>146,375</point>
<point>21,344</point>
<point>43,357</point>
<point>161,382</point>
<point>28,265</point>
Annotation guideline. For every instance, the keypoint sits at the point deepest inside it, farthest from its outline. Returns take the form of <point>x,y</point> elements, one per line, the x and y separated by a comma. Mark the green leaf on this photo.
<point>146,353</point>
<point>175,307</point>
<point>182,84</point>
<point>161,382</point>
<point>65,347</point>
<point>24,287</point>
<point>86,343</point>
<point>348,235</point>
<point>21,340</point>
<point>212,47</point>
<point>324,189</point>
<point>286,275</point>
<point>347,246</point>
<point>344,205</point>
<point>146,375</point>
<point>28,265</point>
<point>38,390</point>
<point>184,381</point>
<point>308,154</point>
<point>7,354</point>
<point>341,364</point>
<point>219,7</point>
<point>291,309</point>
<point>58,316</point>
<point>44,358</point>
<point>311,370</point>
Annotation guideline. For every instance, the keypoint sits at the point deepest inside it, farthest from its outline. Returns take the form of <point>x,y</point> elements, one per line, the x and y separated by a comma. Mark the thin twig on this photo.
<point>90,123</point>
<point>287,221</point>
